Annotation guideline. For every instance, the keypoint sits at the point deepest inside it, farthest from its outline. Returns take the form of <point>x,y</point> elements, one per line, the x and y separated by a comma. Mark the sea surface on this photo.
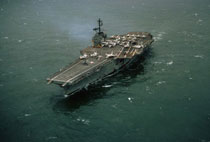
<point>166,98</point>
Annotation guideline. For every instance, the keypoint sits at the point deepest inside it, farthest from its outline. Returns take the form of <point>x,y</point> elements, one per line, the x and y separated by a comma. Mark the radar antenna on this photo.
<point>100,23</point>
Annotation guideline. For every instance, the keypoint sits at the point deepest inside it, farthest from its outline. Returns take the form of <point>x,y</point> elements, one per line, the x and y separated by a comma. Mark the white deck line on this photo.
<point>81,73</point>
<point>120,52</point>
<point>134,52</point>
<point>62,73</point>
<point>129,49</point>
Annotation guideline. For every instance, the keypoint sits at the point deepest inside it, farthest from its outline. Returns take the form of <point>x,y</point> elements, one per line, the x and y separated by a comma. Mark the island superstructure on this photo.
<point>107,56</point>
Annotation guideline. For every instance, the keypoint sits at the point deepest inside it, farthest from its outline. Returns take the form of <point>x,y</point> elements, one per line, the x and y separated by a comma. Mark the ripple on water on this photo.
<point>159,36</point>
<point>106,86</point>
<point>196,14</point>
<point>198,56</point>
<point>27,114</point>
<point>157,62</point>
<point>130,99</point>
<point>82,120</point>
<point>51,137</point>
<point>114,106</point>
<point>160,82</point>
<point>20,40</point>
<point>169,63</point>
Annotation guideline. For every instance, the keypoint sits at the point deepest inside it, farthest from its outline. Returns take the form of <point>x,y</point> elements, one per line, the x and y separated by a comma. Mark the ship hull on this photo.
<point>95,63</point>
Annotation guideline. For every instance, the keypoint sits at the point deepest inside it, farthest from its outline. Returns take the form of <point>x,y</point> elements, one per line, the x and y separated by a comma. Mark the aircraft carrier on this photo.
<point>107,56</point>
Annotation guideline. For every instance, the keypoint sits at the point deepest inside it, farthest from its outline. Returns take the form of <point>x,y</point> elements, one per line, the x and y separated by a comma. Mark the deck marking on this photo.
<point>120,52</point>
<point>62,72</point>
<point>81,73</point>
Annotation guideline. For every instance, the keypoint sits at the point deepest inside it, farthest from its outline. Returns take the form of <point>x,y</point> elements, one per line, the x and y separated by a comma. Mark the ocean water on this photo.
<point>166,98</point>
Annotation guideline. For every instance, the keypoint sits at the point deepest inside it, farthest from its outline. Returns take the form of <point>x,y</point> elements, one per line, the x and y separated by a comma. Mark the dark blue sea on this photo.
<point>165,98</point>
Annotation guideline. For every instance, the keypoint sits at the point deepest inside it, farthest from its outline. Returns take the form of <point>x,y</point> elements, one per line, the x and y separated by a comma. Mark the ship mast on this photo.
<point>99,35</point>
<point>100,23</point>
